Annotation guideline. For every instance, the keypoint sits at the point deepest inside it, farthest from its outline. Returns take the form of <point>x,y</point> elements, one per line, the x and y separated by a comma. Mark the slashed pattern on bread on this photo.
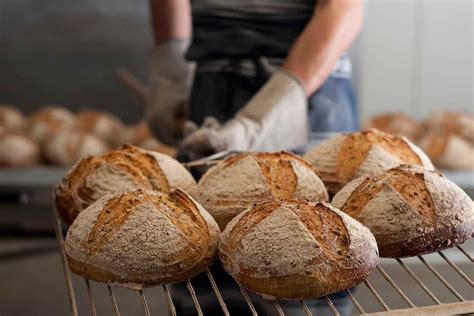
<point>297,249</point>
<point>409,210</point>
<point>125,169</point>
<point>142,238</point>
<point>347,156</point>
<point>239,181</point>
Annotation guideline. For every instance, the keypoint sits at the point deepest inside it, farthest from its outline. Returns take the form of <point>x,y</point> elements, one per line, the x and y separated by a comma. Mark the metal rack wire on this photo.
<point>463,304</point>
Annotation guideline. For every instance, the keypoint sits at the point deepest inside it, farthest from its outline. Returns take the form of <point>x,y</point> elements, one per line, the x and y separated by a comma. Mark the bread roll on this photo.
<point>105,126</point>
<point>240,181</point>
<point>139,239</point>
<point>398,124</point>
<point>448,150</point>
<point>459,123</point>
<point>410,211</point>
<point>69,145</point>
<point>17,151</point>
<point>297,249</point>
<point>348,156</point>
<point>11,119</point>
<point>152,144</point>
<point>137,134</point>
<point>48,121</point>
<point>124,169</point>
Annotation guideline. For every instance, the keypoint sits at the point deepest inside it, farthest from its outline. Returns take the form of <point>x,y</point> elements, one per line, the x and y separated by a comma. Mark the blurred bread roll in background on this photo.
<point>105,126</point>
<point>11,119</point>
<point>459,123</point>
<point>48,121</point>
<point>398,124</point>
<point>18,150</point>
<point>69,145</point>
<point>141,136</point>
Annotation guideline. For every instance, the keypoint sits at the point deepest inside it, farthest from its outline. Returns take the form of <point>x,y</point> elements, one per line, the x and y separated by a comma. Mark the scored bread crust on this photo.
<point>239,181</point>
<point>409,210</point>
<point>297,249</point>
<point>142,238</point>
<point>124,169</point>
<point>348,156</point>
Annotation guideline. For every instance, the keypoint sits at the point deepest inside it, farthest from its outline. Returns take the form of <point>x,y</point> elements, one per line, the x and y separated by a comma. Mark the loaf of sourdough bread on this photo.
<point>124,169</point>
<point>410,211</point>
<point>142,238</point>
<point>242,180</point>
<point>48,121</point>
<point>348,156</point>
<point>297,249</point>
<point>11,119</point>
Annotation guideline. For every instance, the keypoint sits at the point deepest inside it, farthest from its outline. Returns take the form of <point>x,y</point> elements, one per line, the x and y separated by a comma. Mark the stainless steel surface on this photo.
<point>464,304</point>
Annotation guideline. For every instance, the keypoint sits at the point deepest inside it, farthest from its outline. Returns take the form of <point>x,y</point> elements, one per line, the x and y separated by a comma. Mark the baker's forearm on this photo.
<point>329,33</point>
<point>170,19</point>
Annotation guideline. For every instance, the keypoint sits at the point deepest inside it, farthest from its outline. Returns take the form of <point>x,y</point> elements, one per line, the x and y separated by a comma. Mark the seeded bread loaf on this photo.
<point>398,124</point>
<point>124,169</point>
<point>105,126</point>
<point>11,120</point>
<point>69,145</point>
<point>410,211</point>
<point>348,156</point>
<point>139,239</point>
<point>239,181</point>
<point>297,249</point>
<point>48,121</point>
<point>18,151</point>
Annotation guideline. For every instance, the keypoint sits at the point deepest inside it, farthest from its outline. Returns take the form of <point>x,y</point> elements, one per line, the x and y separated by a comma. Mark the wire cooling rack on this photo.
<point>434,284</point>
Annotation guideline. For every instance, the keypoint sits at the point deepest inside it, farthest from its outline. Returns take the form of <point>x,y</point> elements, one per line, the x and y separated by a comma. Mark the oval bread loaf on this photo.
<point>239,181</point>
<point>11,119</point>
<point>124,169</point>
<point>69,145</point>
<point>139,239</point>
<point>106,126</point>
<point>18,151</point>
<point>348,156</point>
<point>48,121</point>
<point>297,249</point>
<point>409,210</point>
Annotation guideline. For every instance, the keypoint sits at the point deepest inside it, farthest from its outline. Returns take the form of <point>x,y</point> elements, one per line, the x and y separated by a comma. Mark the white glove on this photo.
<point>169,89</point>
<point>274,119</point>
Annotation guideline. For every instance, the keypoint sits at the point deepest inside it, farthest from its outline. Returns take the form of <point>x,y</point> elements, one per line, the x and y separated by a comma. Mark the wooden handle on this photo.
<point>132,83</point>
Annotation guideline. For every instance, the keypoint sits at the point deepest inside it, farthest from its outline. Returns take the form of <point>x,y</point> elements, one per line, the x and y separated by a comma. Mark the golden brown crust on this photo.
<point>239,181</point>
<point>139,168</point>
<point>409,210</point>
<point>296,250</point>
<point>398,124</point>
<point>140,238</point>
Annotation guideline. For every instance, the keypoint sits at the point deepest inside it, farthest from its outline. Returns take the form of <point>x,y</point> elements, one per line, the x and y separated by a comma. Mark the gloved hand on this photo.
<point>274,119</point>
<point>169,88</point>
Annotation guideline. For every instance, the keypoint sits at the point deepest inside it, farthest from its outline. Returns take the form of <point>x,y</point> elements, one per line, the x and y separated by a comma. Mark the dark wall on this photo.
<point>67,52</point>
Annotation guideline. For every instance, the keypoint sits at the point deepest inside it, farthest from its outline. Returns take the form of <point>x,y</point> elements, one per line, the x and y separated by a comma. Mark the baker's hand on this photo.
<point>274,119</point>
<point>169,89</point>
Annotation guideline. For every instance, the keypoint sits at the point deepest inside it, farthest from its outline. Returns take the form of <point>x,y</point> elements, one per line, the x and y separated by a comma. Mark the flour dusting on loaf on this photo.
<point>140,239</point>
<point>239,181</point>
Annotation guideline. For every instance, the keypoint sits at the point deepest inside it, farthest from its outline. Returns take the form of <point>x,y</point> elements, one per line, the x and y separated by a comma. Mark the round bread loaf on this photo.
<point>297,249</point>
<point>448,149</point>
<point>410,211</point>
<point>459,123</point>
<point>11,119</point>
<point>136,134</point>
<point>348,156</point>
<point>106,126</point>
<point>69,145</point>
<point>48,121</point>
<point>142,238</point>
<point>242,180</point>
<point>398,124</point>
<point>18,151</point>
<point>124,169</point>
